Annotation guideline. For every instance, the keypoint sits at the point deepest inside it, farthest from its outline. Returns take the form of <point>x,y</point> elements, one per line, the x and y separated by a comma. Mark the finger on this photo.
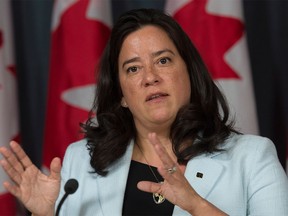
<point>21,155</point>
<point>161,151</point>
<point>12,189</point>
<point>11,172</point>
<point>170,170</point>
<point>55,168</point>
<point>171,179</point>
<point>150,187</point>
<point>12,159</point>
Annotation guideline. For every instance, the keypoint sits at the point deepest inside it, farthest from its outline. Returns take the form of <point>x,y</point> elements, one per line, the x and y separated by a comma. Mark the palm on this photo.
<point>37,191</point>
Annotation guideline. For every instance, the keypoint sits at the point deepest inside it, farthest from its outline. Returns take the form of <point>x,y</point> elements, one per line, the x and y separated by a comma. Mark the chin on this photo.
<point>163,118</point>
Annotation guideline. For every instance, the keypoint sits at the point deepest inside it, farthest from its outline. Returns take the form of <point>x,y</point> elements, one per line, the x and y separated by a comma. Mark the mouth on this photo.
<point>155,96</point>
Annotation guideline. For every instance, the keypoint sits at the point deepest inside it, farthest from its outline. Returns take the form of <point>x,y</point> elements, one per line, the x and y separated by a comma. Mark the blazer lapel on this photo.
<point>112,187</point>
<point>202,173</point>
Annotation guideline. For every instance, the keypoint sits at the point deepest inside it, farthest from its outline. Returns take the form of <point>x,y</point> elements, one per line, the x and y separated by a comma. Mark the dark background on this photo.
<point>267,32</point>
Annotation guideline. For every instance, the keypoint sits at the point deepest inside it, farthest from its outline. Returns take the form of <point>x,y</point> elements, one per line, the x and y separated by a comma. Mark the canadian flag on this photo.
<point>80,31</point>
<point>217,30</point>
<point>8,99</point>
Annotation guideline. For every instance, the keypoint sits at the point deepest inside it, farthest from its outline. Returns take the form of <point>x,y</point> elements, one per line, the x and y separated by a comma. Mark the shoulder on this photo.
<point>78,146</point>
<point>248,145</point>
<point>249,153</point>
<point>77,150</point>
<point>77,155</point>
<point>254,155</point>
<point>263,175</point>
<point>247,140</point>
<point>249,167</point>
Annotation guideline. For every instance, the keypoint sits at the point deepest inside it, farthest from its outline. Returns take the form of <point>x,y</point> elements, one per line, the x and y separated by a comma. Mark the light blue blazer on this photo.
<point>245,179</point>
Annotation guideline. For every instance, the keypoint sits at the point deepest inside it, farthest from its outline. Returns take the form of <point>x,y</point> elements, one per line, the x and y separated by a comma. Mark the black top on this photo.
<point>137,202</point>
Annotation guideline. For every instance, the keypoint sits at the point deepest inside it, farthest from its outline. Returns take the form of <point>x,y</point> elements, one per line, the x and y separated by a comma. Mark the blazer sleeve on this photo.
<point>268,183</point>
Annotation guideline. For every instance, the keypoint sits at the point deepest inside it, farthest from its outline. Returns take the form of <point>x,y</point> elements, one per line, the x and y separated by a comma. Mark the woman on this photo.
<point>162,144</point>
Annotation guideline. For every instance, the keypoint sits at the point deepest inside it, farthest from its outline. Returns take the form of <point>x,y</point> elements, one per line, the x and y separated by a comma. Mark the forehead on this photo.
<point>149,38</point>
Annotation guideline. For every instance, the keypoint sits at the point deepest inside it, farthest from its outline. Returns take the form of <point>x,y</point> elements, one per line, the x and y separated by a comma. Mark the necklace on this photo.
<point>157,197</point>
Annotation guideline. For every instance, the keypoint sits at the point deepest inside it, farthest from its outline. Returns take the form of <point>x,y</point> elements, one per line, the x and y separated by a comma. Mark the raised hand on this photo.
<point>176,187</point>
<point>37,191</point>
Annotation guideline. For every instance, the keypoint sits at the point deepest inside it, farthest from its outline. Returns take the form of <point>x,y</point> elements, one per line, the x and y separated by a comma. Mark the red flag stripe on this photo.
<point>77,43</point>
<point>7,205</point>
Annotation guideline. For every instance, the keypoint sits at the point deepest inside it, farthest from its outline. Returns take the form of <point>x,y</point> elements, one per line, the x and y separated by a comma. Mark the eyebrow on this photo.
<point>130,61</point>
<point>155,54</point>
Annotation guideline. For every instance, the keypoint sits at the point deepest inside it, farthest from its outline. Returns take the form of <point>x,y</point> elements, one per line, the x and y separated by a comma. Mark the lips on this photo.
<point>155,96</point>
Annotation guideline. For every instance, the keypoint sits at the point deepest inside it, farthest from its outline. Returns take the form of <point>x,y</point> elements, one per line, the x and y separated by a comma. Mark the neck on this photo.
<point>162,130</point>
<point>144,151</point>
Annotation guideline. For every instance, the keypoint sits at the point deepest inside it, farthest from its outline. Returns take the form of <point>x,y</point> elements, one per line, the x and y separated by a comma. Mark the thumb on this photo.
<point>55,168</point>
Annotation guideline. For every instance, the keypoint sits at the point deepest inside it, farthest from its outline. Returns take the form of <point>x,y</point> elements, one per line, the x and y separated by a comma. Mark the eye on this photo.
<point>132,69</point>
<point>164,60</point>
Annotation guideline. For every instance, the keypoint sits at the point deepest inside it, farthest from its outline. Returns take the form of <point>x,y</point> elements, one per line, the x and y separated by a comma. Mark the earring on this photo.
<point>123,103</point>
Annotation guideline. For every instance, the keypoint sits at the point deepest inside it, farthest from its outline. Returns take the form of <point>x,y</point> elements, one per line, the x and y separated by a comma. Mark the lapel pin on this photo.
<point>199,175</point>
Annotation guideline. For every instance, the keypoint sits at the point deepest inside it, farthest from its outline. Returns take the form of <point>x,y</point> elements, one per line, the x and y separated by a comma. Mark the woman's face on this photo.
<point>153,77</point>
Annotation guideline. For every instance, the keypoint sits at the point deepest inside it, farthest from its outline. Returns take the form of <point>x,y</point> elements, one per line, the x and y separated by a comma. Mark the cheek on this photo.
<point>185,91</point>
<point>128,90</point>
<point>183,87</point>
<point>123,84</point>
<point>187,88</point>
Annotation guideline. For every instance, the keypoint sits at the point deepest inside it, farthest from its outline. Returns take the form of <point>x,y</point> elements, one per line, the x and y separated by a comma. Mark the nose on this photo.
<point>150,77</point>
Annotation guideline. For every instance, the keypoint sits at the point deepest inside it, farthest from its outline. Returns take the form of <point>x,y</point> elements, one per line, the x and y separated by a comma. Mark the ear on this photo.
<point>123,103</point>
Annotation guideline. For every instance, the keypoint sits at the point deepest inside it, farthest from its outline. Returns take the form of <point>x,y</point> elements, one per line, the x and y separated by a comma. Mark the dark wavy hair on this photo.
<point>199,127</point>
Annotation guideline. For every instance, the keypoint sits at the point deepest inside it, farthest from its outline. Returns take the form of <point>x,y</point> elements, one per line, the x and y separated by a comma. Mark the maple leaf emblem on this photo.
<point>213,35</point>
